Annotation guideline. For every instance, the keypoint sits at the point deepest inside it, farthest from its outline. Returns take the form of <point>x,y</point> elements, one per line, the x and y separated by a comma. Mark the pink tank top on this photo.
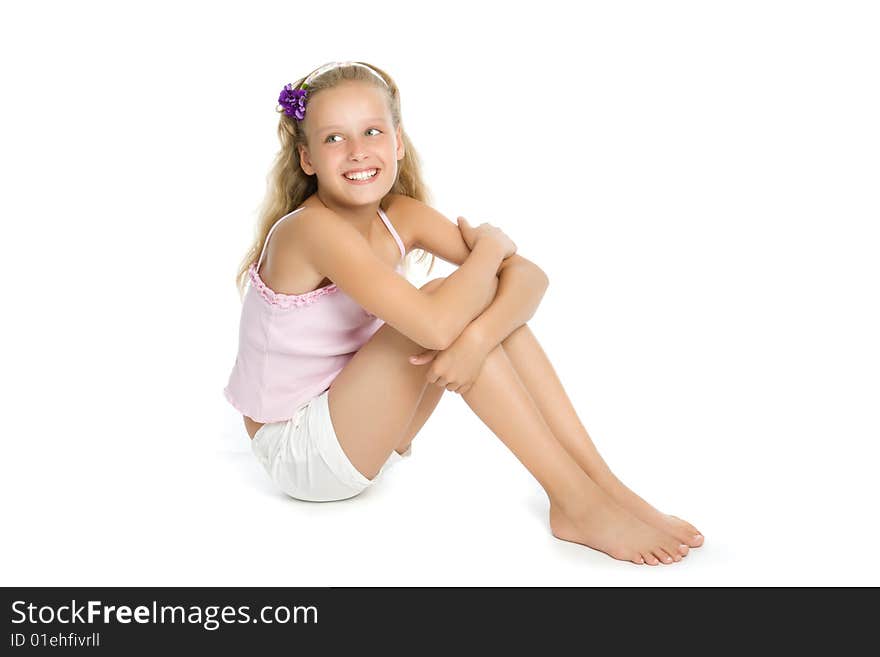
<point>292,346</point>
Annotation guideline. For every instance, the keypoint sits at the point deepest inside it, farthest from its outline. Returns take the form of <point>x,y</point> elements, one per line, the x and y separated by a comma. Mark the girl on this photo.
<point>329,376</point>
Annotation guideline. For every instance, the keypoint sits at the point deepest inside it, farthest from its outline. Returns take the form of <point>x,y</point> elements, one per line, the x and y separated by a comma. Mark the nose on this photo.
<point>357,150</point>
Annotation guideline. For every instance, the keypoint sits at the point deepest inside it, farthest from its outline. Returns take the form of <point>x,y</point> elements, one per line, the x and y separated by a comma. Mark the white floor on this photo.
<point>460,511</point>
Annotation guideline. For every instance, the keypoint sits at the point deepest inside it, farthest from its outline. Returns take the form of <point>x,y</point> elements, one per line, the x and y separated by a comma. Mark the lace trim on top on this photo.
<point>287,300</point>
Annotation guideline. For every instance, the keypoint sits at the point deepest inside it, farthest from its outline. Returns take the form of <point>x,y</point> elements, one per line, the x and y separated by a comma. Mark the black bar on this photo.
<point>122,620</point>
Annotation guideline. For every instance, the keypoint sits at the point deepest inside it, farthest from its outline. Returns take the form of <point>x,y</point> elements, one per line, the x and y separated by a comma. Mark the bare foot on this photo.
<point>674,526</point>
<point>614,531</point>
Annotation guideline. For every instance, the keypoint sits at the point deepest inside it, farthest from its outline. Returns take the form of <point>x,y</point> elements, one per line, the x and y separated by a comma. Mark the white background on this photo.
<point>698,179</point>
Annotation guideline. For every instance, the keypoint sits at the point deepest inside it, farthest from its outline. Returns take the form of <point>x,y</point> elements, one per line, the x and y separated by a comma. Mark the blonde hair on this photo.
<point>288,185</point>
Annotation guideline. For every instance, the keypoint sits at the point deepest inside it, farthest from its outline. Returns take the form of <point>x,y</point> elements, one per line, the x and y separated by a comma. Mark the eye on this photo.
<point>338,135</point>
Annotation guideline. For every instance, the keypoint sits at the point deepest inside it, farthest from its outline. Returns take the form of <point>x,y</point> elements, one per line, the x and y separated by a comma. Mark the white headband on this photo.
<point>327,67</point>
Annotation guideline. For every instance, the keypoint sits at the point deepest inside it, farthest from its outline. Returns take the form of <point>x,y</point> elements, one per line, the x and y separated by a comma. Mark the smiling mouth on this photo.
<point>361,178</point>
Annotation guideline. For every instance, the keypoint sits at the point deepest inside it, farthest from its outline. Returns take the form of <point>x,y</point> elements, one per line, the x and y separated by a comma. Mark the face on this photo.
<point>349,129</point>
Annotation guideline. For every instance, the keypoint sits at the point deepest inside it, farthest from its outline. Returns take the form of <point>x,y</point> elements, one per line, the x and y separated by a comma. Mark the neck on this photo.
<point>361,216</point>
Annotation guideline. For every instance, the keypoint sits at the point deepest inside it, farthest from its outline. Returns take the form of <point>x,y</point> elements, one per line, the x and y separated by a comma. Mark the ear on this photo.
<point>305,161</point>
<point>401,150</point>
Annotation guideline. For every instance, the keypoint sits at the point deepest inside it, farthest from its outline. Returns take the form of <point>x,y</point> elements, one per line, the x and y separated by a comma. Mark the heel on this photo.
<point>560,525</point>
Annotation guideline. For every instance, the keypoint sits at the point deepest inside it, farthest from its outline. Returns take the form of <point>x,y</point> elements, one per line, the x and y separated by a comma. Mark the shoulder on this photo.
<point>402,211</point>
<point>320,230</point>
<point>294,240</point>
<point>400,204</point>
<point>309,223</point>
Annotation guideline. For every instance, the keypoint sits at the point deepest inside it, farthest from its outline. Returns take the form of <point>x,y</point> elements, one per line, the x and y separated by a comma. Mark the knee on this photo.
<point>433,284</point>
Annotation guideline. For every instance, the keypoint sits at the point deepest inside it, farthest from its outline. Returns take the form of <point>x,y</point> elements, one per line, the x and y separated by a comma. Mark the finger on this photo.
<point>422,358</point>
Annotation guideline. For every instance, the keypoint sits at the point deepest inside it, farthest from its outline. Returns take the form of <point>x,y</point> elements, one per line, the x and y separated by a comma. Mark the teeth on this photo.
<point>363,175</point>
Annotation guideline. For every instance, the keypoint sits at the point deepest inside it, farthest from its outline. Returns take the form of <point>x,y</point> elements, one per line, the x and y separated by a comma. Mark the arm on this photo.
<point>457,367</point>
<point>498,315</point>
<point>520,289</point>
<point>468,291</point>
<point>342,254</point>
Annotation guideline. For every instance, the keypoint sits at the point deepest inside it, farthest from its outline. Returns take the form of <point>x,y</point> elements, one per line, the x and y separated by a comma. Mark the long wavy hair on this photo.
<point>288,185</point>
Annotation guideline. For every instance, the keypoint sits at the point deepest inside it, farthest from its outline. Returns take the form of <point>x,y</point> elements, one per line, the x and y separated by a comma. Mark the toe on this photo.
<point>673,549</point>
<point>650,559</point>
<point>687,533</point>
<point>683,549</point>
<point>676,556</point>
<point>694,537</point>
<point>663,555</point>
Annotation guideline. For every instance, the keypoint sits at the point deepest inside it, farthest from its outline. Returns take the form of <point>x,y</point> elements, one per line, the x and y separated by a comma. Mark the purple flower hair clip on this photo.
<point>293,101</point>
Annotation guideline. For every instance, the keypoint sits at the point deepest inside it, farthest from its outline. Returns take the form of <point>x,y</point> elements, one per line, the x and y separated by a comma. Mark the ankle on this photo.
<point>579,504</point>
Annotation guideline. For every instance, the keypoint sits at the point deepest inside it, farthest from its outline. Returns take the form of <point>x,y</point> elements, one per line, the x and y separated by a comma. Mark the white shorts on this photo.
<point>304,459</point>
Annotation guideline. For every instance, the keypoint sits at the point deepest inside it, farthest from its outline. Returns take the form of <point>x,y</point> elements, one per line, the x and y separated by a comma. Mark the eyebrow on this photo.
<point>374,119</point>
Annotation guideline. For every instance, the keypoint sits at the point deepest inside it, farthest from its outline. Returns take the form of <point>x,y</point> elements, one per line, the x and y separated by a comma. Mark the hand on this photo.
<point>457,367</point>
<point>473,235</point>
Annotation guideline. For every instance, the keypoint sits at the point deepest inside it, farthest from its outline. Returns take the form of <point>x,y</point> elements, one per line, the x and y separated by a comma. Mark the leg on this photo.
<point>431,396</point>
<point>428,403</point>
<point>579,510</point>
<point>377,398</point>
<point>540,379</point>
